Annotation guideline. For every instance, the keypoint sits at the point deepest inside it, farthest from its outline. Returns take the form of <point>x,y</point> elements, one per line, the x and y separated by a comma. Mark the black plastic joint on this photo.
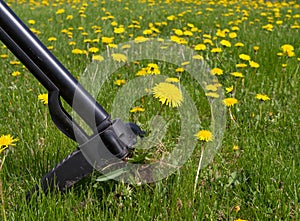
<point>110,145</point>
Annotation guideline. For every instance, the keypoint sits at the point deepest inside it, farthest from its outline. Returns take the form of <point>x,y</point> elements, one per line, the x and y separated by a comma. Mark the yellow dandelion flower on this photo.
<point>114,23</point>
<point>216,50</point>
<point>147,32</point>
<point>179,70</point>
<point>190,25</point>
<point>295,25</point>
<point>64,31</point>
<point>31,22</point>
<point>96,40</point>
<point>43,98</point>
<point>84,52</point>
<point>253,64</point>
<point>216,71</point>
<point>182,41</point>
<point>204,135</point>
<point>35,31</point>
<point>52,39</point>
<point>126,46</point>
<point>135,22</point>
<point>185,63</point>
<point>119,57</point>
<point>168,94</point>
<point>291,54</point>
<point>235,28</point>
<point>60,11</point>
<point>262,97</point>
<point>221,33</point>
<point>212,94</point>
<point>225,43</point>
<point>119,30</point>
<point>142,72</point>
<point>255,48</point>
<point>69,17</point>
<point>216,83</point>
<point>239,44</point>
<point>244,57</point>
<point>6,141</point>
<point>119,82</point>
<point>93,50</point>
<point>141,39</point>
<point>155,30</point>
<point>153,69</point>
<point>137,109</point>
<point>171,17</point>
<point>97,58</point>
<point>178,32</point>
<point>235,148</point>
<point>206,36</point>
<point>113,45</point>
<point>286,48</point>
<point>172,80</point>
<point>241,65</point>
<point>279,54</point>
<point>200,47</point>
<point>208,41</point>
<point>16,73</point>
<point>72,43</point>
<point>237,74</point>
<point>211,87</point>
<point>107,40</point>
<point>3,56</point>
<point>87,40</point>
<point>232,35</point>
<point>198,57</point>
<point>229,89</point>
<point>188,33</point>
<point>195,29</point>
<point>175,39</point>
<point>229,102</point>
<point>15,62</point>
<point>268,27</point>
<point>77,51</point>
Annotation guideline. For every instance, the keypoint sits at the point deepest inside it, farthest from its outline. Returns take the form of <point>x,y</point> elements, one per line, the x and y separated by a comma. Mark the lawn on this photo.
<point>213,83</point>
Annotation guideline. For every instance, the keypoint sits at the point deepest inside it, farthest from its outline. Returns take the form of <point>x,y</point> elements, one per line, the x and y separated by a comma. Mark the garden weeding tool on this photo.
<point>111,139</point>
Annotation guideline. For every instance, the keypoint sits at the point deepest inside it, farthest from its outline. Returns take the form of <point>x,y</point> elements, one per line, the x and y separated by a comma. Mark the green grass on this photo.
<point>261,177</point>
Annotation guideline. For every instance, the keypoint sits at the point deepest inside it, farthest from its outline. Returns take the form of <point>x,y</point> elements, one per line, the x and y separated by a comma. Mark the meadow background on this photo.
<point>253,47</point>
